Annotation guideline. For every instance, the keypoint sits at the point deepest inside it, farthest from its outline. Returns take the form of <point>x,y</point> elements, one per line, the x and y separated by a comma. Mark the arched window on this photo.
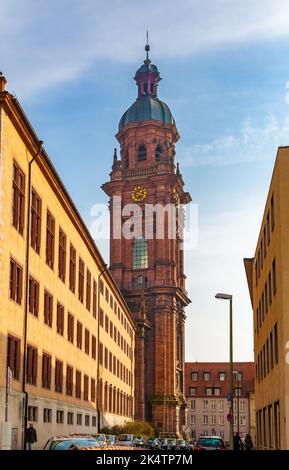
<point>140,254</point>
<point>158,153</point>
<point>142,152</point>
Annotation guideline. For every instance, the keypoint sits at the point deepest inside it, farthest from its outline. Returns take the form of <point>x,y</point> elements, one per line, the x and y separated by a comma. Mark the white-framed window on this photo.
<point>242,405</point>
<point>194,376</point>
<point>238,391</point>
<point>222,376</point>
<point>213,405</point>
<point>193,391</point>
<point>221,405</point>
<point>208,391</point>
<point>205,405</point>
<point>221,420</point>
<point>206,376</point>
<point>243,420</point>
<point>193,419</point>
<point>213,419</point>
<point>193,405</point>
<point>217,391</point>
<point>235,420</point>
<point>205,419</point>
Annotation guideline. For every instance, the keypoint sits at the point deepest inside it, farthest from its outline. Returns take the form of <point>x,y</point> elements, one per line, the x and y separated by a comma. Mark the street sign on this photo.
<point>229,417</point>
<point>229,396</point>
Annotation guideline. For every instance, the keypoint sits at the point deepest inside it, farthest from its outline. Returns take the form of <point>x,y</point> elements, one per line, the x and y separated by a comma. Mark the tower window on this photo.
<point>152,88</point>
<point>140,254</point>
<point>158,153</point>
<point>145,88</point>
<point>142,153</point>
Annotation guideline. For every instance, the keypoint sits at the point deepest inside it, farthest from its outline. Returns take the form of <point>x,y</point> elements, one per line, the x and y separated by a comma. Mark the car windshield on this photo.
<point>125,437</point>
<point>209,442</point>
<point>66,443</point>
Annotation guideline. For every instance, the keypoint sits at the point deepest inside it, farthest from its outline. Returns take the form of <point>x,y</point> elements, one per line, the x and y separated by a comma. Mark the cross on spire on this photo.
<point>147,47</point>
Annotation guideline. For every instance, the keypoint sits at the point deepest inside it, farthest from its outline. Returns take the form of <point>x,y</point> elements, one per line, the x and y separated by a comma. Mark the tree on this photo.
<point>139,428</point>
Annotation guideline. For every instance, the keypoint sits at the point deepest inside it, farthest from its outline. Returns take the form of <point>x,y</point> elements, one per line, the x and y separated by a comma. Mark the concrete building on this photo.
<point>67,338</point>
<point>207,388</point>
<point>268,281</point>
<point>150,269</point>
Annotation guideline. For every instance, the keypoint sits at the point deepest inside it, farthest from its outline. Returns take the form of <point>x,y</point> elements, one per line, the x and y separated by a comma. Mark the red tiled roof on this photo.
<point>247,383</point>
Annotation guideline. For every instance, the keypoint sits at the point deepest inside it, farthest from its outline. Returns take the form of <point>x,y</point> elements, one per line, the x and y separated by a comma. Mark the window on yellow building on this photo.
<point>35,230</point>
<point>50,238</point>
<point>16,279</point>
<point>18,199</point>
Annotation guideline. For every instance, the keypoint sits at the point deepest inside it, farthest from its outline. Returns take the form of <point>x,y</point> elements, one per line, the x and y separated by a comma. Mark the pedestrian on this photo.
<point>31,436</point>
<point>238,444</point>
<point>248,444</point>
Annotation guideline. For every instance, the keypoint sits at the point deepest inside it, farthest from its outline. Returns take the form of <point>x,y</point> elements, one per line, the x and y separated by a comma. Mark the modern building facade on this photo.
<point>268,281</point>
<point>67,338</point>
<point>149,269</point>
<point>207,388</point>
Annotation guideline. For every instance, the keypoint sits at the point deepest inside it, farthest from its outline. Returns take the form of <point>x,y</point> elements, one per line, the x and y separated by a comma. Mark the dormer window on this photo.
<point>158,153</point>
<point>142,153</point>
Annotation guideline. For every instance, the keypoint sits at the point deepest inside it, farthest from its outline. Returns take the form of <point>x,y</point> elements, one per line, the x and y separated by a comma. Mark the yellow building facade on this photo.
<point>64,326</point>
<point>268,281</point>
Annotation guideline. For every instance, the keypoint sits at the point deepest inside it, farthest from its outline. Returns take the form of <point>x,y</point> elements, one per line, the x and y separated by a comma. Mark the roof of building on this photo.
<point>214,368</point>
<point>147,108</point>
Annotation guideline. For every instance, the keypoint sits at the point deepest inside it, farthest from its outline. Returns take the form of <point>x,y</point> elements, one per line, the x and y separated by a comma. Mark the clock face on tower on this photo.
<point>139,194</point>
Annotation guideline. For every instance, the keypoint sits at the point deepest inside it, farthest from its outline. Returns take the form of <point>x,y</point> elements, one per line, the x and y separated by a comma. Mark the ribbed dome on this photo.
<point>145,109</point>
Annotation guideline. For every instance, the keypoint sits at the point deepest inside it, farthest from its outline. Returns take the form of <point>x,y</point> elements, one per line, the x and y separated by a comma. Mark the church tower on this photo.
<point>149,270</point>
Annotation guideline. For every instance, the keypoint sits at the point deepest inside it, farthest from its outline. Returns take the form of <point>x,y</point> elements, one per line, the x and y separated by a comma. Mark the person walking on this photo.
<point>31,436</point>
<point>238,444</point>
<point>248,444</point>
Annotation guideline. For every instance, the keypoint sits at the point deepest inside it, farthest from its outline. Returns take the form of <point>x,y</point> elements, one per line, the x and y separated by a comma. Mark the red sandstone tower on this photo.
<point>149,272</point>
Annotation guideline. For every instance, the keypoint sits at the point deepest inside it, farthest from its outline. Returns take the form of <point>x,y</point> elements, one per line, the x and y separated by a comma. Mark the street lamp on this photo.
<point>237,389</point>
<point>230,298</point>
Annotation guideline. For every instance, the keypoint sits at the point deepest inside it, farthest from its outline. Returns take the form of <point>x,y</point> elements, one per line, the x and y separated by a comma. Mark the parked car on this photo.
<point>153,443</point>
<point>182,444</point>
<point>210,443</point>
<point>110,440</point>
<point>139,441</point>
<point>101,438</point>
<point>67,442</point>
<point>125,440</point>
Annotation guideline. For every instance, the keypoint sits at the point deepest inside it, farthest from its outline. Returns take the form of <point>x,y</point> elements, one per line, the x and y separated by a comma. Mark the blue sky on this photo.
<point>225,68</point>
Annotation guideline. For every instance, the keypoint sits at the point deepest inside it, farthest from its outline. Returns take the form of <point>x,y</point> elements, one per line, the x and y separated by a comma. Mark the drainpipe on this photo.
<point>98,344</point>
<point>25,417</point>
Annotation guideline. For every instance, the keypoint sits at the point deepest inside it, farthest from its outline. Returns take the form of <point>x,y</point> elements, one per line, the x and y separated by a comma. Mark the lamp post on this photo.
<point>230,298</point>
<point>236,372</point>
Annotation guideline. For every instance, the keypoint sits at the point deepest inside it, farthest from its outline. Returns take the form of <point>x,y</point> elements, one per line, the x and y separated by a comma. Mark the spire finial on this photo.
<point>114,156</point>
<point>147,46</point>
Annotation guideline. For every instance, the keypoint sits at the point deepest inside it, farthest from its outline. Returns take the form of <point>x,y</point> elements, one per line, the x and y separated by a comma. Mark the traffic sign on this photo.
<point>229,396</point>
<point>229,417</point>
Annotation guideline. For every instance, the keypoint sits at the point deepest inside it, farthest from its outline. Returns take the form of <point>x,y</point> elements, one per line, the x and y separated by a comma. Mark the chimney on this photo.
<point>3,82</point>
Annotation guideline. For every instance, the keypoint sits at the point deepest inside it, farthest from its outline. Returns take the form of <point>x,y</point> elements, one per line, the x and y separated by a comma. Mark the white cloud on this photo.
<point>45,43</point>
<point>251,143</point>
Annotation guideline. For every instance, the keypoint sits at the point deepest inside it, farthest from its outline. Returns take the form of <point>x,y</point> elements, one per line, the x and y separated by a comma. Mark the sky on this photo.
<point>225,73</point>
